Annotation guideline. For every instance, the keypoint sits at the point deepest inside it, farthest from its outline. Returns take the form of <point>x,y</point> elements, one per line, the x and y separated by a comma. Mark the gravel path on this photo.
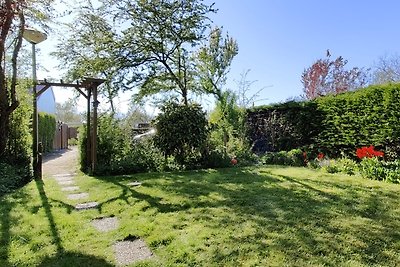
<point>61,163</point>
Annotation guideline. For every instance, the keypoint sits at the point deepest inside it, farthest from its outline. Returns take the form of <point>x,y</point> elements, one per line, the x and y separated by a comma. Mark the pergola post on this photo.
<point>91,85</point>
<point>88,130</point>
<point>94,137</point>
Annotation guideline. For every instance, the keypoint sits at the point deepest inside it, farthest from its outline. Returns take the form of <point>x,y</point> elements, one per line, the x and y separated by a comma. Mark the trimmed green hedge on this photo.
<point>333,124</point>
<point>47,128</point>
<point>284,126</point>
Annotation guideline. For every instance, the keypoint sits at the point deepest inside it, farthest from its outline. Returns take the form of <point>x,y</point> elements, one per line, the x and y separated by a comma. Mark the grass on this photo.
<point>264,216</point>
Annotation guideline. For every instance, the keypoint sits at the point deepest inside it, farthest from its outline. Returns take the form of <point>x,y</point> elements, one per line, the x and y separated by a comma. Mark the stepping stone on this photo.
<point>105,224</point>
<point>136,183</point>
<point>64,175</point>
<point>61,179</point>
<point>68,182</point>
<point>78,196</point>
<point>128,252</point>
<point>86,206</point>
<point>70,188</point>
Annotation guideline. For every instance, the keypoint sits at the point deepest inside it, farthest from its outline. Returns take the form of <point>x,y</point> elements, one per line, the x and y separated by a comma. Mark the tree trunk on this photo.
<point>4,130</point>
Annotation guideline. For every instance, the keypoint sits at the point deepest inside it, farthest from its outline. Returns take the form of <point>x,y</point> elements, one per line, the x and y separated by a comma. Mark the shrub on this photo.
<point>73,142</point>
<point>117,153</point>
<point>181,132</point>
<point>12,177</point>
<point>143,156</point>
<point>372,168</point>
<point>347,166</point>
<point>216,159</point>
<point>293,157</point>
<point>19,147</point>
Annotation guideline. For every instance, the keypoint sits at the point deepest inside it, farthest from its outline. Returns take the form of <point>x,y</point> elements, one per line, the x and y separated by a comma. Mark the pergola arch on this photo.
<point>88,84</point>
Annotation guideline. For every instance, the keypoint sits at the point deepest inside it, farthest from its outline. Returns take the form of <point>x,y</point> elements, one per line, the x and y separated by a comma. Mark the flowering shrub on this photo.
<point>368,152</point>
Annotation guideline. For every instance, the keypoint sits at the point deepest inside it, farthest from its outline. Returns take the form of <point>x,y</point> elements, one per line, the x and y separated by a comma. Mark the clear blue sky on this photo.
<point>278,39</point>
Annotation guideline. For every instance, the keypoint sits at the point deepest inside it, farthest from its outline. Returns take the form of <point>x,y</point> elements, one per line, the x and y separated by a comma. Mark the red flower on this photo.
<point>234,161</point>
<point>368,152</point>
<point>320,156</point>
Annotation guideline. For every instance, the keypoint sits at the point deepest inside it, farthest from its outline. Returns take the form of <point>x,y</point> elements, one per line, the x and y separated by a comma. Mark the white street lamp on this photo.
<point>35,37</point>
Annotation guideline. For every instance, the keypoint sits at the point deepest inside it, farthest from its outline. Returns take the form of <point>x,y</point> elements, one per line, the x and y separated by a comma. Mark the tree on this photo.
<point>88,50</point>
<point>12,22</point>
<point>214,61</point>
<point>328,76</point>
<point>244,100</point>
<point>67,112</point>
<point>13,16</point>
<point>153,51</point>
<point>387,69</point>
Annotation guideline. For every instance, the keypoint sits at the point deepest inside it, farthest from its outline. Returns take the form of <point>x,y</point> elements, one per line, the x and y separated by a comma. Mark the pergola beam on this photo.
<point>90,84</point>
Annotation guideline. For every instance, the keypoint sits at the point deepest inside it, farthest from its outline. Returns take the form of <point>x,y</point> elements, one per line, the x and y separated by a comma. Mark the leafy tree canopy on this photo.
<point>327,76</point>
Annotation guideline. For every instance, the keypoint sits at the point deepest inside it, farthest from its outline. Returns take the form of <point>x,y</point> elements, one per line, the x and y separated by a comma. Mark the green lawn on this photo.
<point>267,216</point>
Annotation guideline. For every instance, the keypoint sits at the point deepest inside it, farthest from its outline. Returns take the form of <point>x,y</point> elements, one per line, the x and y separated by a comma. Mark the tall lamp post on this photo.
<point>34,37</point>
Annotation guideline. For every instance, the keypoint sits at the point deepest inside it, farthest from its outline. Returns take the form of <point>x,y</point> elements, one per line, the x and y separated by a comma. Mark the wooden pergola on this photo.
<point>89,85</point>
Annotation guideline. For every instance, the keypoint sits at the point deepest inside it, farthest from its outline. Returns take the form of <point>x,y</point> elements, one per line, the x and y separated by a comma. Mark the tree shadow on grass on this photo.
<point>292,216</point>
<point>68,259</point>
<point>62,257</point>
<point>6,221</point>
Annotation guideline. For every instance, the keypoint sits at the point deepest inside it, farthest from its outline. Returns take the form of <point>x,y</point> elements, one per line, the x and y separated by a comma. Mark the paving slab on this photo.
<point>106,224</point>
<point>86,206</point>
<point>63,179</point>
<point>70,188</point>
<point>64,175</point>
<point>78,196</point>
<point>128,252</point>
<point>68,182</point>
<point>136,183</point>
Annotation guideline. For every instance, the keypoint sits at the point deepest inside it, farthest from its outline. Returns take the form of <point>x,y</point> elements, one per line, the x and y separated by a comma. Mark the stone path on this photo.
<point>63,167</point>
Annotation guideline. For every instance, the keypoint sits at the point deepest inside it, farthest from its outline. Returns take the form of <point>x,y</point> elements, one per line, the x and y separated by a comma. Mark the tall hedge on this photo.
<point>283,126</point>
<point>19,146</point>
<point>333,124</point>
<point>47,128</point>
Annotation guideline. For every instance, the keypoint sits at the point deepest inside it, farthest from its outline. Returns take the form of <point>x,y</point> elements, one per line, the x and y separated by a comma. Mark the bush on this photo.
<point>19,147</point>
<point>373,168</point>
<point>347,166</point>
<point>293,157</point>
<point>12,177</point>
<point>216,159</point>
<point>117,153</point>
<point>182,133</point>
<point>73,142</point>
<point>143,156</point>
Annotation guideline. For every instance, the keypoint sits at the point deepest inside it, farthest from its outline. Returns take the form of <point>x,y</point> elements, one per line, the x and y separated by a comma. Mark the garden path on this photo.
<point>63,166</point>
